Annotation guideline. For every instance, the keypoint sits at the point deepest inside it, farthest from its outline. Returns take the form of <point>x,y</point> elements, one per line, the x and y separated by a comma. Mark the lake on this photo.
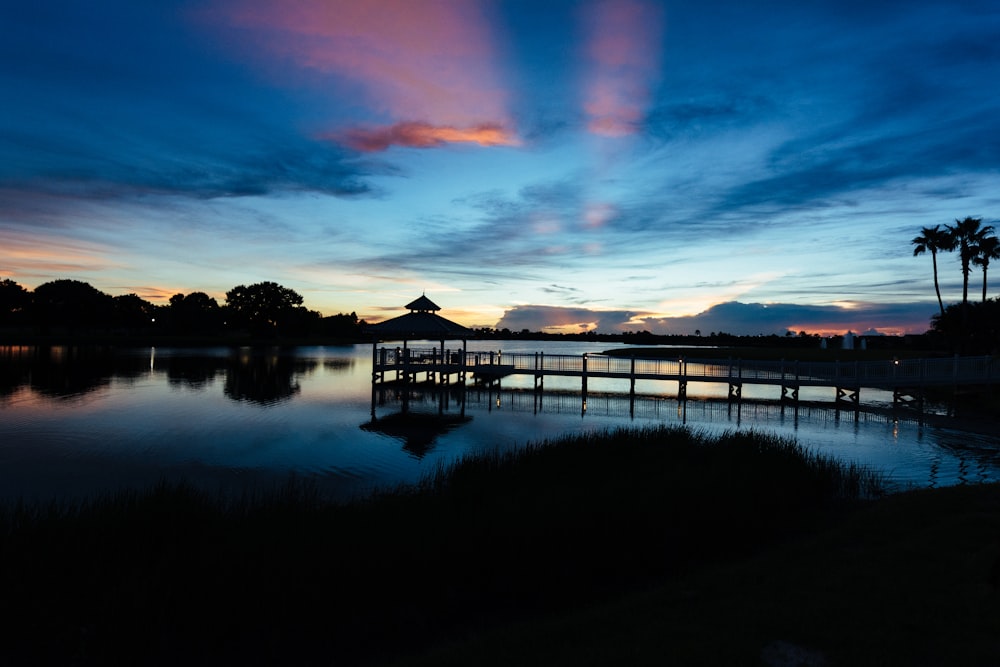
<point>75,421</point>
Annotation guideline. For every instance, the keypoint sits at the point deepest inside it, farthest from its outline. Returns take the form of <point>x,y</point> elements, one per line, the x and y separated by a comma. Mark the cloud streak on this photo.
<point>623,46</point>
<point>424,135</point>
<point>430,67</point>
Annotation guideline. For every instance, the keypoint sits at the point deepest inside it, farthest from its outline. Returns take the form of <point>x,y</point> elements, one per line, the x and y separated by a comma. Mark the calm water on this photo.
<point>74,421</point>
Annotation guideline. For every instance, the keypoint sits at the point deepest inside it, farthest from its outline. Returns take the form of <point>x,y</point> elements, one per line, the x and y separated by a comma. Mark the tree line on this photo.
<point>969,326</point>
<point>73,307</point>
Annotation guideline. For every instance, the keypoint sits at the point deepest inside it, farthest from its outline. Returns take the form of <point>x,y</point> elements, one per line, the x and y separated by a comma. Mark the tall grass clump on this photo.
<point>284,576</point>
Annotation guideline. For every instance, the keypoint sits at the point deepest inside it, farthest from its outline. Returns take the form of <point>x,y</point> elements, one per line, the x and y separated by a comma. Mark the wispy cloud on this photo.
<point>112,166</point>
<point>623,49</point>
<point>431,68</point>
<point>34,257</point>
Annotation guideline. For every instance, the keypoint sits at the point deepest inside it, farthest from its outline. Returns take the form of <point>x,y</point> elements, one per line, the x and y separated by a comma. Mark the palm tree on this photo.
<point>989,248</point>
<point>967,235</point>
<point>931,240</point>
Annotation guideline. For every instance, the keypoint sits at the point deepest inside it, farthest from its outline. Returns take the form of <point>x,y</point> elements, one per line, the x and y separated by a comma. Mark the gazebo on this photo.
<point>421,323</point>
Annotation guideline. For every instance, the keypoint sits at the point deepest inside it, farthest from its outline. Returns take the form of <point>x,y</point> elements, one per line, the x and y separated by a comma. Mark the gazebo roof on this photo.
<point>423,304</point>
<point>420,322</point>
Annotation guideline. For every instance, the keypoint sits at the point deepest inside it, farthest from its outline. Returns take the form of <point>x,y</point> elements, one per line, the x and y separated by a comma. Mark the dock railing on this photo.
<point>874,374</point>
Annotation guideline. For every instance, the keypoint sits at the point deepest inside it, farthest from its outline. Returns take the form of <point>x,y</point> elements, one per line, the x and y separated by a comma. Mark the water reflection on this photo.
<point>62,371</point>
<point>881,437</point>
<point>423,414</point>
<point>262,377</point>
<point>418,430</point>
<point>225,415</point>
<point>191,372</point>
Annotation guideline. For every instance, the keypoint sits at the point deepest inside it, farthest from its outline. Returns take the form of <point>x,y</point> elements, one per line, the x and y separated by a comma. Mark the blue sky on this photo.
<point>663,166</point>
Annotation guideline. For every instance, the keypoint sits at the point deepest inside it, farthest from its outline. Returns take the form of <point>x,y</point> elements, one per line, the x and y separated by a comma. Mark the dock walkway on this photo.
<point>906,378</point>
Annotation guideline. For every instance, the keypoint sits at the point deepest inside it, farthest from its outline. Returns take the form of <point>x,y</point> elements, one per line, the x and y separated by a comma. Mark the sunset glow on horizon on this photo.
<point>563,166</point>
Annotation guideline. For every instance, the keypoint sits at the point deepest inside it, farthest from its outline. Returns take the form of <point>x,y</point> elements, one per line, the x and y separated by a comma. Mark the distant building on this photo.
<point>848,342</point>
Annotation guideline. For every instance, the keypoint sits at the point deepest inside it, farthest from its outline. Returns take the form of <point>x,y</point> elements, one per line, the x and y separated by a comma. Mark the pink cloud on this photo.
<point>424,135</point>
<point>598,214</point>
<point>623,50</point>
<point>407,61</point>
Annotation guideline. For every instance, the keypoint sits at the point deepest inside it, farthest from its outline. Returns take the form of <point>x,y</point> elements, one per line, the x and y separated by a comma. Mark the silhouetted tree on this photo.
<point>196,313</point>
<point>989,249</point>
<point>967,235</point>
<point>933,239</point>
<point>14,299</point>
<point>72,304</point>
<point>301,321</point>
<point>133,312</point>
<point>264,308</point>
<point>972,329</point>
<point>341,326</point>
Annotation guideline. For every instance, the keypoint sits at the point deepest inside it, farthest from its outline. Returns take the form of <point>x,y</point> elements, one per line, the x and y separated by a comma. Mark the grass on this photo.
<point>630,546</point>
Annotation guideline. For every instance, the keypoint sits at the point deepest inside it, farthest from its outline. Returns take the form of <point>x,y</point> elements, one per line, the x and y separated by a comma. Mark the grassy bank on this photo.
<point>650,542</point>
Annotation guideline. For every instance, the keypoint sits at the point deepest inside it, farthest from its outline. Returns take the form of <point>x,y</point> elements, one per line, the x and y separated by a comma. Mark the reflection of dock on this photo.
<point>436,401</point>
<point>906,378</point>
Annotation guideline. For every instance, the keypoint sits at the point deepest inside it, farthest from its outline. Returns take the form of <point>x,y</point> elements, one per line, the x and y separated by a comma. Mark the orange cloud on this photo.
<point>405,60</point>
<point>623,50</point>
<point>424,135</point>
<point>42,258</point>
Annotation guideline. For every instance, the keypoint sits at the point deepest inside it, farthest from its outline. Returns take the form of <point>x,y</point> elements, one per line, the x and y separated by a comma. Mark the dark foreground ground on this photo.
<point>912,580</point>
<point>648,547</point>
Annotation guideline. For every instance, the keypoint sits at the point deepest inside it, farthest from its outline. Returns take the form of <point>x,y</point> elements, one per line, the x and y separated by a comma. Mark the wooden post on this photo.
<point>631,390</point>
<point>374,372</point>
<point>541,378</point>
<point>736,388</point>
<point>462,365</point>
<point>441,365</point>
<point>539,362</point>
<point>682,384</point>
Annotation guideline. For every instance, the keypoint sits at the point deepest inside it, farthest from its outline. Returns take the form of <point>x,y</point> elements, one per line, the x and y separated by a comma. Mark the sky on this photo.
<point>747,167</point>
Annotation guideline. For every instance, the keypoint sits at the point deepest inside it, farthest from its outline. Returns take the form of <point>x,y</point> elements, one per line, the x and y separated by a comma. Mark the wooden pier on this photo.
<point>907,379</point>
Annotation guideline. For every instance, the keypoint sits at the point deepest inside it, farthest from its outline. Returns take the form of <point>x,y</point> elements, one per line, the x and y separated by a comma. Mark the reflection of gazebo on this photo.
<point>421,323</point>
<point>418,431</point>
